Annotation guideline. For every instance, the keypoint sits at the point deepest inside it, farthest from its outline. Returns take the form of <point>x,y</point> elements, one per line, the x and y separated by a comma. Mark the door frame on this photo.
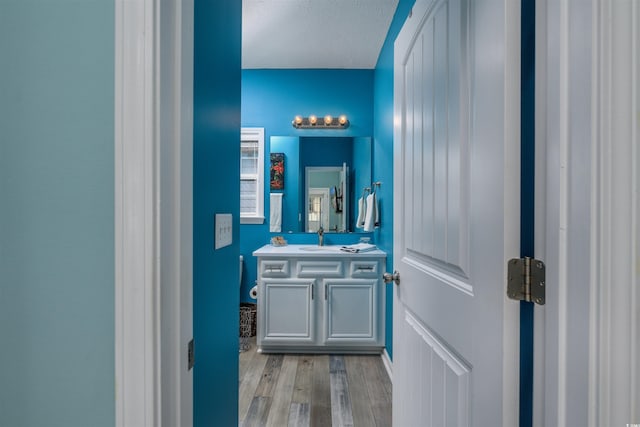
<point>153,143</point>
<point>136,284</point>
<point>588,178</point>
<point>324,203</point>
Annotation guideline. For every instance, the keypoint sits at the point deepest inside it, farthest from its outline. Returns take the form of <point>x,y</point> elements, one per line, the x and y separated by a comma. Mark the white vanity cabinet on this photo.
<point>319,300</point>
<point>296,299</point>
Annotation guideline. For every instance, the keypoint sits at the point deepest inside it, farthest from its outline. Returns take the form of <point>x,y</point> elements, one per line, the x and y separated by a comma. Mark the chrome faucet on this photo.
<point>320,236</point>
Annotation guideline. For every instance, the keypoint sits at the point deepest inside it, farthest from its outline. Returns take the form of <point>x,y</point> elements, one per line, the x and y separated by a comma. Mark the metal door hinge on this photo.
<point>525,280</point>
<point>190,355</point>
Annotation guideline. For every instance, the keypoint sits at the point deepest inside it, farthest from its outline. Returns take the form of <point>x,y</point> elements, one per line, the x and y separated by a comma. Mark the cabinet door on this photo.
<point>351,311</point>
<point>286,309</point>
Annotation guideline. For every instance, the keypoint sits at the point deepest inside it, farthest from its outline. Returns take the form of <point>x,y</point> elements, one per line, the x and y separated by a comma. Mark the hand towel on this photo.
<point>358,247</point>
<point>371,215</point>
<point>376,214</point>
<point>362,207</point>
<point>275,217</point>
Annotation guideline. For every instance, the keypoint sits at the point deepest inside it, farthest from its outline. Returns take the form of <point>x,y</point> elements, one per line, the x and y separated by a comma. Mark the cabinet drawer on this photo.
<point>331,268</point>
<point>274,268</point>
<point>364,268</point>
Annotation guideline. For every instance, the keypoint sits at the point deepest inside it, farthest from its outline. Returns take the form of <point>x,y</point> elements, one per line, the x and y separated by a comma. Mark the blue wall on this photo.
<point>216,185</point>
<point>57,213</point>
<point>527,200</point>
<point>361,174</point>
<point>383,149</point>
<point>271,99</point>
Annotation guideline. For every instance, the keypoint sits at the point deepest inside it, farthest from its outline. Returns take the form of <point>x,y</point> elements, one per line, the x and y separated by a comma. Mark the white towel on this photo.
<point>362,208</point>
<point>275,218</point>
<point>359,247</point>
<point>371,215</point>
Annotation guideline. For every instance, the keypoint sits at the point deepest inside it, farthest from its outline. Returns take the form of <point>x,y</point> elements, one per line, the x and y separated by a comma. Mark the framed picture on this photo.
<point>277,171</point>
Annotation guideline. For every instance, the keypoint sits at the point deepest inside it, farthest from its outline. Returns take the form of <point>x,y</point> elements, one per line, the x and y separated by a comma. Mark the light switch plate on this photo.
<point>223,230</point>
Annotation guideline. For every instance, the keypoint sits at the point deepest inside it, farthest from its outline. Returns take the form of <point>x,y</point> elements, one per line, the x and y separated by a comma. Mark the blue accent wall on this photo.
<point>527,200</point>
<point>383,150</point>
<point>361,172</point>
<point>216,186</point>
<point>57,213</point>
<point>271,99</point>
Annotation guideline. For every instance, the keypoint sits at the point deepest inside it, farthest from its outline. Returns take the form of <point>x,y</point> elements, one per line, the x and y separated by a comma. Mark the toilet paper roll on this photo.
<point>253,293</point>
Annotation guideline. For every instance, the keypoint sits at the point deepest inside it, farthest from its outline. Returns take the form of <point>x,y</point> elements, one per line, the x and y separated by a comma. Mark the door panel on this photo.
<point>289,311</point>
<point>456,197</point>
<point>446,400</point>
<point>351,309</point>
<point>435,223</point>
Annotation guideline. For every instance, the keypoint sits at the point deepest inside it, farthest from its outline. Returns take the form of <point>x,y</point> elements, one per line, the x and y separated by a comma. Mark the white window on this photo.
<point>252,176</point>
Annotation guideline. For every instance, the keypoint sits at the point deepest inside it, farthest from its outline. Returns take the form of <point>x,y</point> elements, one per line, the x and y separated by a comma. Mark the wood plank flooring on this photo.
<point>321,390</point>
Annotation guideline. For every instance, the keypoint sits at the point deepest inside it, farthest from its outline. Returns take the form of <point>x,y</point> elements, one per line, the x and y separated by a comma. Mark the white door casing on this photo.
<point>175,107</point>
<point>137,361</point>
<point>456,197</point>
<point>344,205</point>
<point>153,212</point>
<point>588,210</point>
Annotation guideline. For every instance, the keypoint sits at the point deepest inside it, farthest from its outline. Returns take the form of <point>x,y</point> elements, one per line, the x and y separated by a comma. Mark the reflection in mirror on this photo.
<point>303,152</point>
<point>325,198</point>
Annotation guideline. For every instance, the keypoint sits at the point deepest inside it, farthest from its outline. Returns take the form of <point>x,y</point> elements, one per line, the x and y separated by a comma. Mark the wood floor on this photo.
<point>313,390</point>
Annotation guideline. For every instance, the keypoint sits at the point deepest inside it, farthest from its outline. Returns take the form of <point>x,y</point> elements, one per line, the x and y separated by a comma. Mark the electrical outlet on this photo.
<point>223,230</point>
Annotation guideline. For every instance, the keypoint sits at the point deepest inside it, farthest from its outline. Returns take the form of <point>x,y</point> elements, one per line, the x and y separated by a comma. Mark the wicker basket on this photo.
<point>248,324</point>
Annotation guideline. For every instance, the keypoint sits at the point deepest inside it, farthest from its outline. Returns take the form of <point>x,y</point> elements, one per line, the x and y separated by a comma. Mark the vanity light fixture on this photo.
<point>328,122</point>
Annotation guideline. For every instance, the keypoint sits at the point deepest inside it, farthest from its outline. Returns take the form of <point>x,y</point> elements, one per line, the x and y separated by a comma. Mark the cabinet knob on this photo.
<point>388,277</point>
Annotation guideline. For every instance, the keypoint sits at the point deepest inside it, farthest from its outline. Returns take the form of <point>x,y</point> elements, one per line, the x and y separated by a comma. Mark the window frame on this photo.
<point>254,135</point>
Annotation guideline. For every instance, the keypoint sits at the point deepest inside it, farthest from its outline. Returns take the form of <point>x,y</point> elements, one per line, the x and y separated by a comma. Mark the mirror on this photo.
<point>312,198</point>
<point>325,194</point>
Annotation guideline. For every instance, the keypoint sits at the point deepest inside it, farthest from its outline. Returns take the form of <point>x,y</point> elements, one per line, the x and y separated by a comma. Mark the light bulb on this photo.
<point>313,119</point>
<point>342,120</point>
<point>298,120</point>
<point>328,119</point>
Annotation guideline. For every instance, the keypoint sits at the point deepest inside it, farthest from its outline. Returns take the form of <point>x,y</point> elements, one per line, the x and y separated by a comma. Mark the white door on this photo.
<point>317,209</point>
<point>456,214</point>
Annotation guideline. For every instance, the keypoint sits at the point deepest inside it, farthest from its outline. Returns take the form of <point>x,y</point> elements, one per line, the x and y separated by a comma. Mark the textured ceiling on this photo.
<point>314,33</point>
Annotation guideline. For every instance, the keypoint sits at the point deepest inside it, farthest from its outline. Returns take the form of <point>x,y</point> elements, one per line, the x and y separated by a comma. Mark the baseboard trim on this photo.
<point>388,364</point>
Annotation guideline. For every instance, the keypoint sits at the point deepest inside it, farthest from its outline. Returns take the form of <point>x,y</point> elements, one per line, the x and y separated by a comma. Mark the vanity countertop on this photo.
<point>327,251</point>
